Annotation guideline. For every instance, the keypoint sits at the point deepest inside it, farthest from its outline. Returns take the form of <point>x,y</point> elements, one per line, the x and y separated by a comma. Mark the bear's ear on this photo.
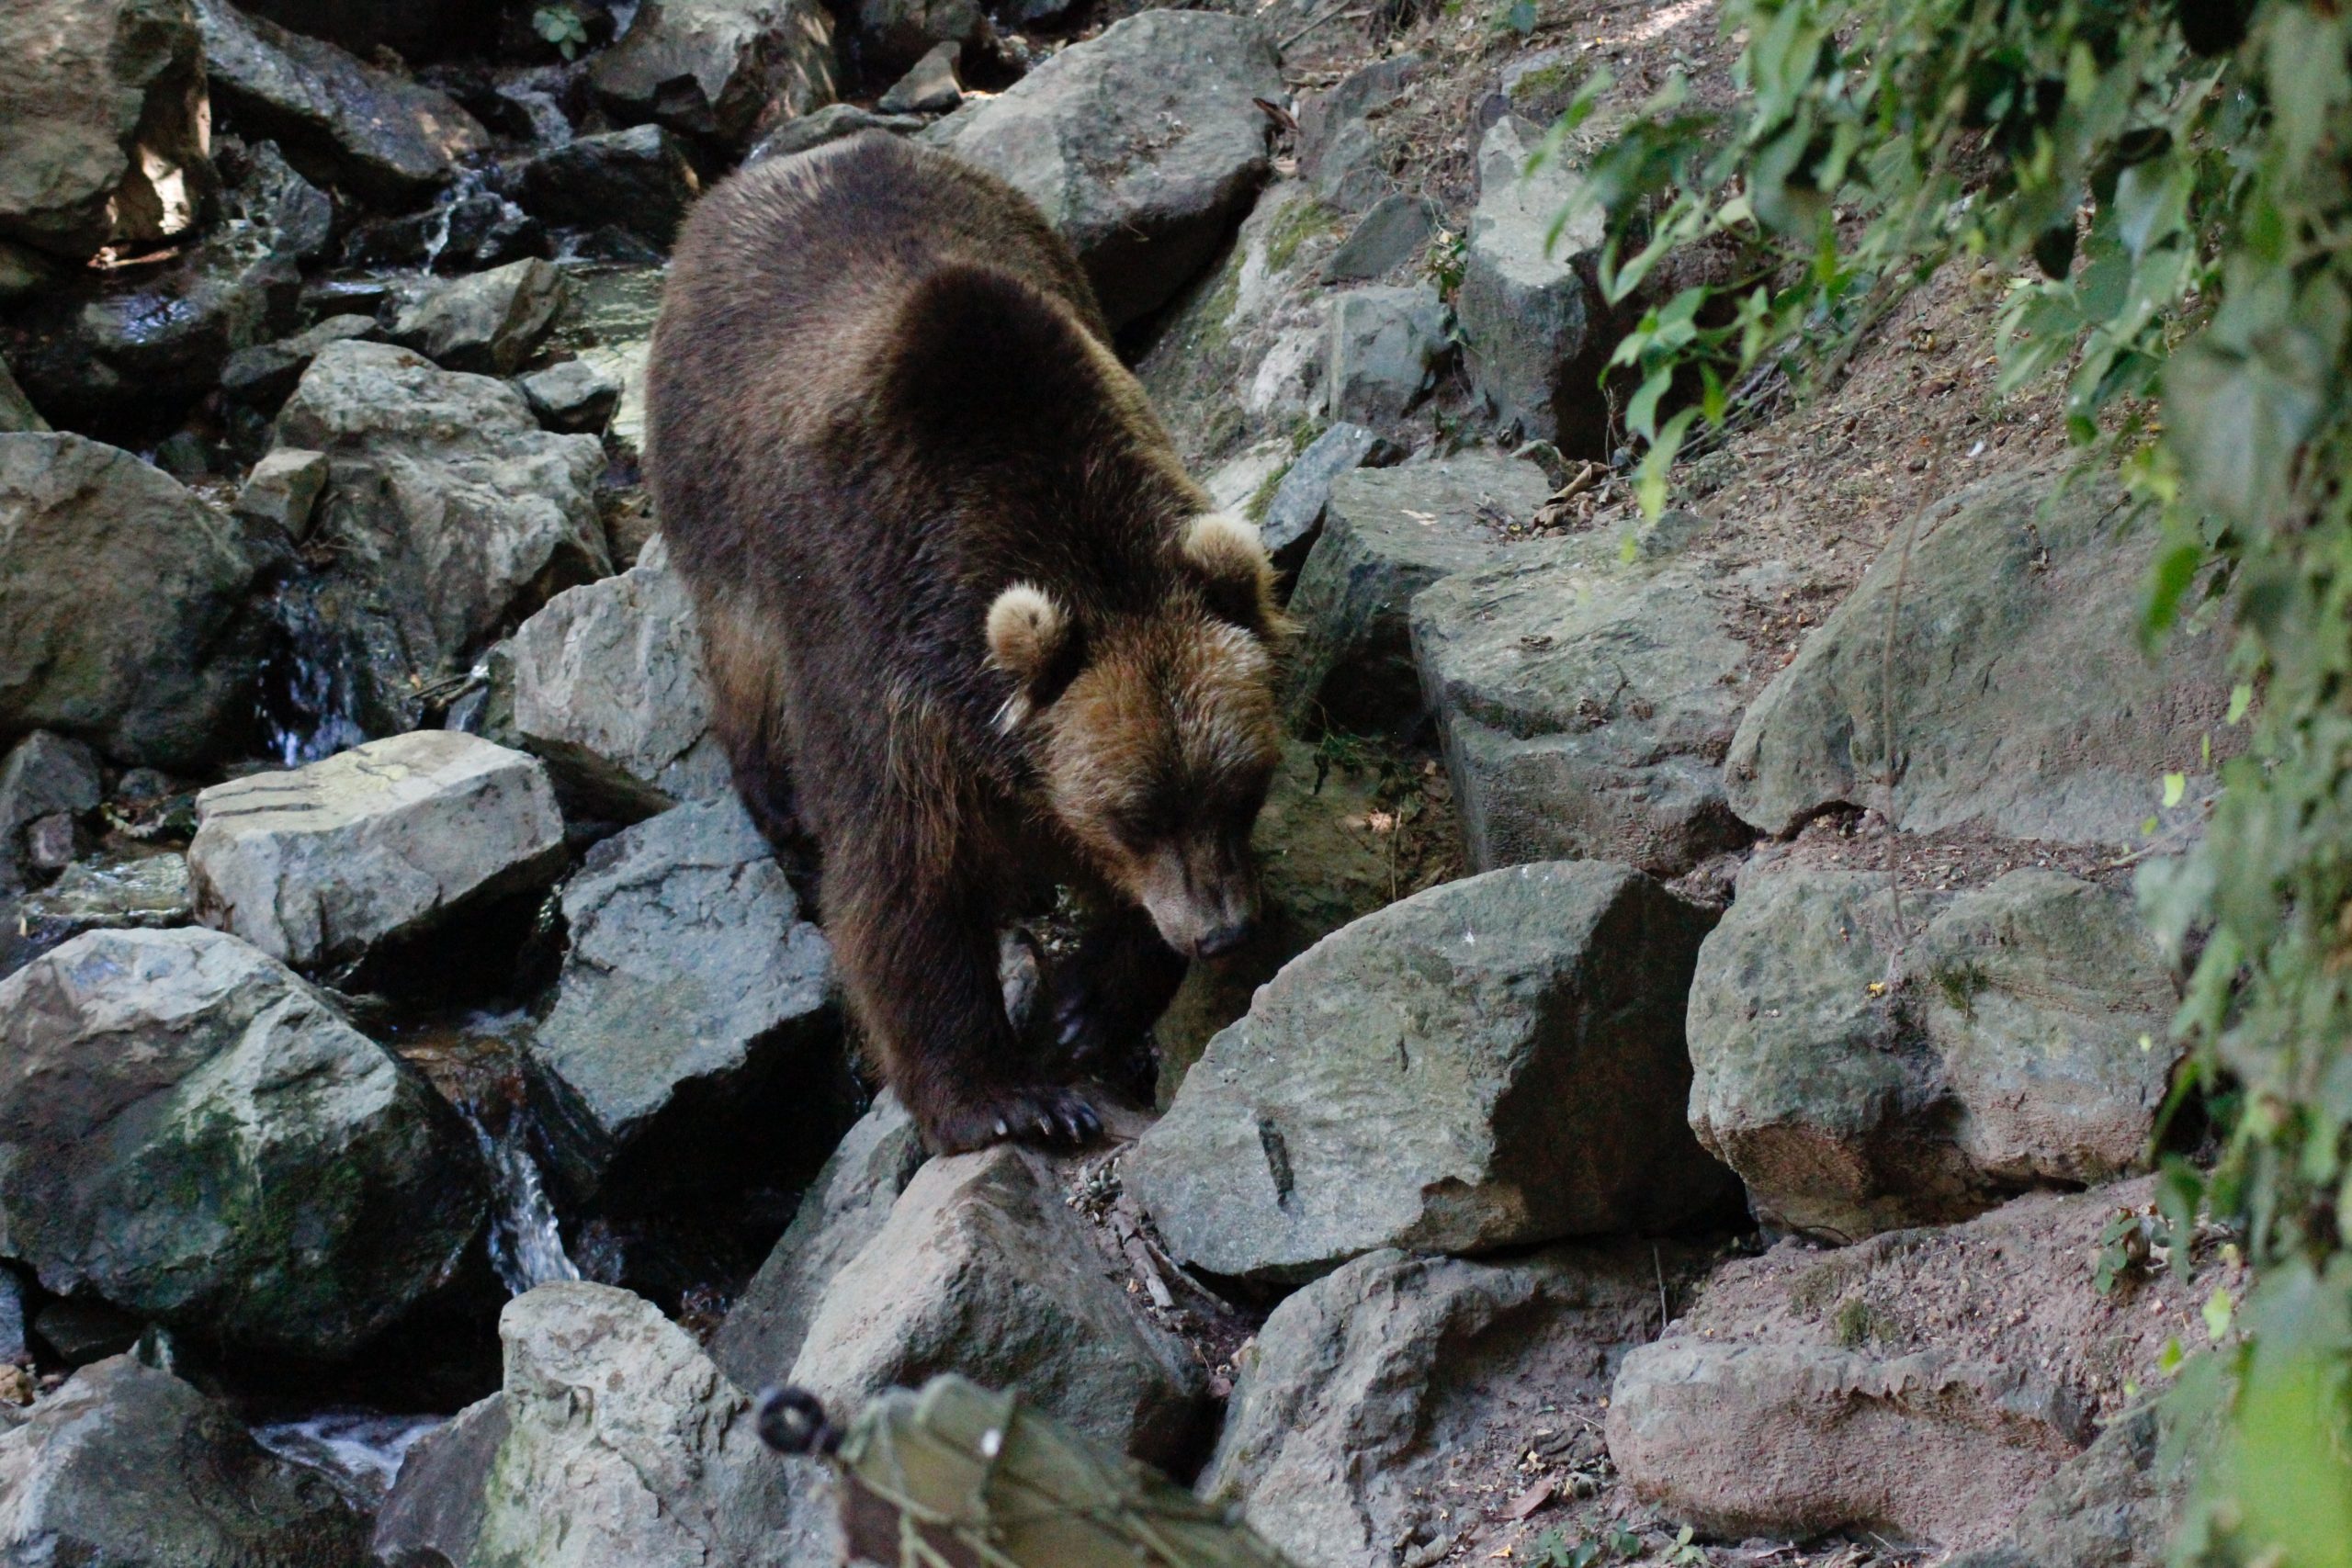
<point>1032,639</point>
<point>1228,560</point>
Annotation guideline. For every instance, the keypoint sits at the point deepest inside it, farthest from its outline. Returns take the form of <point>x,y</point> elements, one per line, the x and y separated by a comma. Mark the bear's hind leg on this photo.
<point>922,973</point>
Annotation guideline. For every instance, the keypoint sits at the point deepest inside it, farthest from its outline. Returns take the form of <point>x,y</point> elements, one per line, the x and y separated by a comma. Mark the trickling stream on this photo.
<point>310,682</point>
<point>360,1450</point>
<point>526,1241</point>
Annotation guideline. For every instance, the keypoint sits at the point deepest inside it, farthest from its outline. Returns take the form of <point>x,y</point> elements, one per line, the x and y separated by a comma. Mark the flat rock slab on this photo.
<point>188,1131</point>
<point>1585,707</point>
<point>1923,1385</point>
<point>983,1270</point>
<point>716,68</point>
<point>149,893</point>
<point>1142,146</point>
<point>609,688</point>
<point>1294,513</point>
<point>1858,1084</point>
<point>337,120</point>
<point>125,600</point>
<point>128,1465</point>
<point>692,984</point>
<point>2024,703</point>
<point>1387,533</point>
<point>1490,1063</point>
<point>320,865</point>
<point>1366,1389</point>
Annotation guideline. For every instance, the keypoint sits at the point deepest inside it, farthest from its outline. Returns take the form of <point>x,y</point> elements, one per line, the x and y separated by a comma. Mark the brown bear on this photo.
<point>953,581</point>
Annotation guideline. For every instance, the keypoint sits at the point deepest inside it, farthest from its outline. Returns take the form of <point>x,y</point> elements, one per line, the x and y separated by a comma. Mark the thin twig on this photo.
<point>1660,1270</point>
<point>1314,23</point>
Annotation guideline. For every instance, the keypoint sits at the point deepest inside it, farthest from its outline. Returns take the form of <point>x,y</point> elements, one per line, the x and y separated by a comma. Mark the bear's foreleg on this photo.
<point>919,964</point>
<point>1109,994</point>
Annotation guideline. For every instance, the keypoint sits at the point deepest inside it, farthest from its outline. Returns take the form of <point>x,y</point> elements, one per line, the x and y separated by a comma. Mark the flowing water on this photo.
<point>525,1239</point>
<point>310,682</point>
<point>360,1450</point>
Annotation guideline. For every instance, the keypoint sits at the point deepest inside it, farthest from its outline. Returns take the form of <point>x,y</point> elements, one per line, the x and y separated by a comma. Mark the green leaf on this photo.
<point>2176,785</point>
<point>1641,413</point>
<point>2236,424</point>
<point>2241,699</point>
<point>2217,1312</point>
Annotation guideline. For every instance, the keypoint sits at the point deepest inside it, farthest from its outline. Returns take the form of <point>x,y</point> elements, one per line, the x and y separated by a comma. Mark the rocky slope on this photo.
<point>1700,1051</point>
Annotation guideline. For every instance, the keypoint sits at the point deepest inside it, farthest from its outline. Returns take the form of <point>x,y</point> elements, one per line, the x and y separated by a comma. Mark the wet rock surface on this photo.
<point>127,1464</point>
<point>192,1134</point>
<point>1177,83</point>
<point>321,865</point>
<point>640,179</point>
<point>148,893</point>
<point>1491,1063</point>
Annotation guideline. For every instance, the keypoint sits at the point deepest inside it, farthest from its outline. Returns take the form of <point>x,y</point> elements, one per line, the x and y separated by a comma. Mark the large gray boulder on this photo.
<point>1141,145</point>
<point>714,68</point>
<point>2117,1504</point>
<point>450,513</point>
<point>2010,582</point>
<point>1924,1384</point>
<point>1490,1063</point>
<point>609,688</point>
<point>692,984</point>
<point>1361,1387</point>
<point>626,1448</point>
<point>338,121</point>
<point>128,1466</point>
<point>1585,707</point>
<point>432,1515</point>
<point>102,109</point>
<point>982,1270</point>
<point>190,1133</point>
<point>843,1209</point>
<point>1536,331</point>
<point>124,596</point>
<point>323,864</point>
<point>1857,1083</point>
<point>1387,533</point>
<point>486,324</point>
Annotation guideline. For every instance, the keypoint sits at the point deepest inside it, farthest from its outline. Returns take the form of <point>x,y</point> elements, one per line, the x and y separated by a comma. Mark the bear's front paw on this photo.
<point>1042,1114</point>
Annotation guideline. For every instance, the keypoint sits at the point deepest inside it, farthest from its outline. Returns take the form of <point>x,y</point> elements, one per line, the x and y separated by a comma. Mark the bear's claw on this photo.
<point>1056,1117</point>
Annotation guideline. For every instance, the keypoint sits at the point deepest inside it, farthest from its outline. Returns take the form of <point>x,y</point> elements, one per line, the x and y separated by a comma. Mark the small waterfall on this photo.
<point>310,682</point>
<point>550,126</point>
<point>525,1242</point>
<point>358,1451</point>
<point>467,186</point>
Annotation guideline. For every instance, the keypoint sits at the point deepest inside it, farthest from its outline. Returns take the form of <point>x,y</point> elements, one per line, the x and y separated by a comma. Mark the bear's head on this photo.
<point>1156,733</point>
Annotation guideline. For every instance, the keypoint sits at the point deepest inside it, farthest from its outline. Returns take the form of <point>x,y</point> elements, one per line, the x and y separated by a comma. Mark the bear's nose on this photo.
<point>1226,938</point>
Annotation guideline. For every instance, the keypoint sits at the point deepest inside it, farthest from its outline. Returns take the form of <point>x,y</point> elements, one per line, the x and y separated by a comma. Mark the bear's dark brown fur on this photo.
<point>948,567</point>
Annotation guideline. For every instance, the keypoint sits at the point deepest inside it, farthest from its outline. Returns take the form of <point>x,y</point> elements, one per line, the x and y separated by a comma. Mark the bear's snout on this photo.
<point>1203,900</point>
